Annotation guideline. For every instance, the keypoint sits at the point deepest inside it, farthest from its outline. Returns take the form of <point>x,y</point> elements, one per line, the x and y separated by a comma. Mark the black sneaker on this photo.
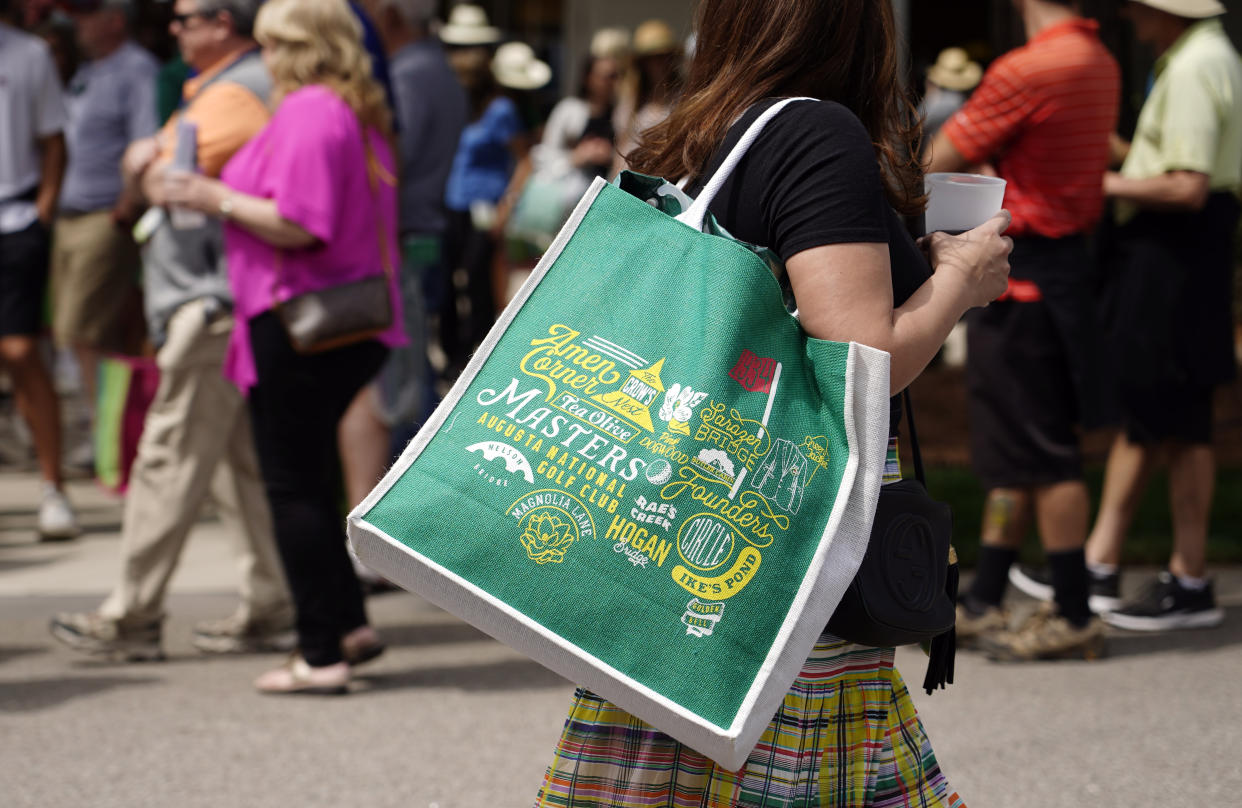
<point>1166,604</point>
<point>1034,581</point>
<point>1104,593</point>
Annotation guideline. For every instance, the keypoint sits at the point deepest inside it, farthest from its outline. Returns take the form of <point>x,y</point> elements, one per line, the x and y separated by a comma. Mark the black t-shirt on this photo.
<point>810,179</point>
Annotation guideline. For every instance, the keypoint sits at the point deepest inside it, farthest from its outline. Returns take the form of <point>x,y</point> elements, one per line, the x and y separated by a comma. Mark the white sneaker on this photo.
<point>56,519</point>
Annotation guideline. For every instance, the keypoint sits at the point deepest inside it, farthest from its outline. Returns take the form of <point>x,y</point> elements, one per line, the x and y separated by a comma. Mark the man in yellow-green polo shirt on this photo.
<point>1170,332</point>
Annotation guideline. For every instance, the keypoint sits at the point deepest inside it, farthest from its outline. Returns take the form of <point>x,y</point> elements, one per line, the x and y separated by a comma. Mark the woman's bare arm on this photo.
<point>258,215</point>
<point>845,293</point>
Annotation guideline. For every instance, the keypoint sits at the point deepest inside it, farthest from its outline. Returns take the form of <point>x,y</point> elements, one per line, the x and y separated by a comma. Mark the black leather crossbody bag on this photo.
<point>906,588</point>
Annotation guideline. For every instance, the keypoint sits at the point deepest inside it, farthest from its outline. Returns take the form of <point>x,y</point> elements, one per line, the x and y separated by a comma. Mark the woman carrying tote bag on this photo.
<point>310,206</point>
<point>823,186</point>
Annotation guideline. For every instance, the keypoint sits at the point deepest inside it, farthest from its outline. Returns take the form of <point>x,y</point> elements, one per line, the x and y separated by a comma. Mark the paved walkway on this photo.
<point>452,719</point>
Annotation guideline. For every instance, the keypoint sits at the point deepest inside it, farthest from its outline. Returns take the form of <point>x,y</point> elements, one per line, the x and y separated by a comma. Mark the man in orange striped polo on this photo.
<point>1041,118</point>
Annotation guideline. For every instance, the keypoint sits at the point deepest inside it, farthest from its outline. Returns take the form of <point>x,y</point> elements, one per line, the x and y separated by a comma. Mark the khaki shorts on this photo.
<point>95,269</point>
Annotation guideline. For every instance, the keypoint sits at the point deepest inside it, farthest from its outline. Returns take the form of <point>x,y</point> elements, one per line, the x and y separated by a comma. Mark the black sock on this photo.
<point>991,575</point>
<point>1070,585</point>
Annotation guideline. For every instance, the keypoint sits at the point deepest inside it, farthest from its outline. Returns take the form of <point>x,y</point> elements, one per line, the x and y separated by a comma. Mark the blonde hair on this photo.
<point>320,42</point>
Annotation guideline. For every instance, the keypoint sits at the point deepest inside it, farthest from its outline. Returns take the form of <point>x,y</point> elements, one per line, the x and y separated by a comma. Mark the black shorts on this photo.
<point>1028,370</point>
<point>23,280</point>
<point>1181,413</point>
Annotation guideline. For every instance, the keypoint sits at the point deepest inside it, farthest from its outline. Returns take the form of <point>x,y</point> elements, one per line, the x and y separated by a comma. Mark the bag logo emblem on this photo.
<point>659,471</point>
<point>783,476</point>
<point>515,461</point>
<point>550,523</point>
<point>701,617</point>
<point>633,401</point>
<point>678,408</point>
<point>716,464</point>
<point>911,550</point>
<point>754,372</point>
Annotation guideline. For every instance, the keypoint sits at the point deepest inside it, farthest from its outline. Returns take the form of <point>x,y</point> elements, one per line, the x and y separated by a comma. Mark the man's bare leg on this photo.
<point>1192,478</point>
<point>36,401</point>
<point>1062,511</point>
<point>1126,476</point>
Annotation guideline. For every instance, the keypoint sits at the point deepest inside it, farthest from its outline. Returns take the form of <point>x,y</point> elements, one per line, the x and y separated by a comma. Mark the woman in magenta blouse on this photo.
<point>310,203</point>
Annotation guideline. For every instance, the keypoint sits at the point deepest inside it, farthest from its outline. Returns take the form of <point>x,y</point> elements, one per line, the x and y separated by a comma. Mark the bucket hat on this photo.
<point>468,25</point>
<point>954,70</point>
<point>610,42</point>
<point>653,38</point>
<point>1192,9</point>
<point>516,67</point>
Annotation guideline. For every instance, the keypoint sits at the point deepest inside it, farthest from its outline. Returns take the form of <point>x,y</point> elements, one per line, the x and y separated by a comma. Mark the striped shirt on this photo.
<point>1042,115</point>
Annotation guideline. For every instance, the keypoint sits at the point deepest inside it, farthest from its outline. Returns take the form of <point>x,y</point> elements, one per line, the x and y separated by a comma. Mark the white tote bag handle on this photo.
<point>696,214</point>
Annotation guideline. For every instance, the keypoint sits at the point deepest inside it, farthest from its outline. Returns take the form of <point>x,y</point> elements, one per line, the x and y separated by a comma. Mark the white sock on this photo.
<point>1193,584</point>
<point>1101,570</point>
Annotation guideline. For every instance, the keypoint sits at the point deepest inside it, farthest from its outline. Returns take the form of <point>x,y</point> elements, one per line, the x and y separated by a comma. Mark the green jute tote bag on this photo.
<point>649,478</point>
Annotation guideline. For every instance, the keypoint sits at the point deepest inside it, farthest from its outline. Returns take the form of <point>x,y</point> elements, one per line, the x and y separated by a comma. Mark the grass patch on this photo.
<point>1150,538</point>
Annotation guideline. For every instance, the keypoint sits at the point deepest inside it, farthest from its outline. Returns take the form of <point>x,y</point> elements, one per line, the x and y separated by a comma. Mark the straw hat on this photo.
<point>1192,9</point>
<point>954,70</point>
<point>653,38</point>
<point>610,43</point>
<point>516,67</point>
<point>467,25</point>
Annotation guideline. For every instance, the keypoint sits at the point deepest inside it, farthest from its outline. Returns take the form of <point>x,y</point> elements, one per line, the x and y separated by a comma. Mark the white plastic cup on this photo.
<point>959,202</point>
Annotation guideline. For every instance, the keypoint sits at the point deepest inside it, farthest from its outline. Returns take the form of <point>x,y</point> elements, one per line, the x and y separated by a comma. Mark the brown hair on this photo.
<point>748,50</point>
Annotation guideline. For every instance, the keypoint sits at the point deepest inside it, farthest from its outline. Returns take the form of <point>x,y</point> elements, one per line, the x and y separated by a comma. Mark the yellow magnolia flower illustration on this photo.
<point>547,537</point>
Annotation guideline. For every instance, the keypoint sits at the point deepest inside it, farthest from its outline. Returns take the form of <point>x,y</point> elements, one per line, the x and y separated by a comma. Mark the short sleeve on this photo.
<point>1191,125</point>
<point>50,116</point>
<point>821,180</point>
<point>504,123</point>
<point>228,115</point>
<point>994,113</point>
<point>413,115</point>
<point>143,109</point>
<point>305,169</point>
<point>564,126</point>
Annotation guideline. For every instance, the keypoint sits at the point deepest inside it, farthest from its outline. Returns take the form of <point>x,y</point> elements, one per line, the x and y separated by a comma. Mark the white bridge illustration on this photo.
<point>515,461</point>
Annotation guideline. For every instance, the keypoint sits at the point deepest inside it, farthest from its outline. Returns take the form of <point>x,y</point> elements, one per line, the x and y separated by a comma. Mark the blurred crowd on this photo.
<point>176,214</point>
<point>179,211</point>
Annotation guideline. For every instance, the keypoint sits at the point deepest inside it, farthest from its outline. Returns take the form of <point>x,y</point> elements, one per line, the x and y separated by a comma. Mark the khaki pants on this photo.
<point>95,268</point>
<point>196,443</point>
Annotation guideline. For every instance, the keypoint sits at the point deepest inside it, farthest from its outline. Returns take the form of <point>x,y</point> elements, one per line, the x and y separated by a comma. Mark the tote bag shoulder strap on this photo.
<point>696,214</point>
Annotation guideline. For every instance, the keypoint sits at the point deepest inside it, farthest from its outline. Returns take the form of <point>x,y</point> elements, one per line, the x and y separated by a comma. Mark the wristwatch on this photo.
<point>226,207</point>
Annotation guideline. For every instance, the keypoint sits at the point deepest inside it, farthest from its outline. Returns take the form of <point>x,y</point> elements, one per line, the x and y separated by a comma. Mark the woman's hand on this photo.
<point>187,189</point>
<point>977,259</point>
<point>592,150</point>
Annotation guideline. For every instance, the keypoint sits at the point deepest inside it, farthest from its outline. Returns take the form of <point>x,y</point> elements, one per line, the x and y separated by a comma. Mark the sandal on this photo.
<point>296,676</point>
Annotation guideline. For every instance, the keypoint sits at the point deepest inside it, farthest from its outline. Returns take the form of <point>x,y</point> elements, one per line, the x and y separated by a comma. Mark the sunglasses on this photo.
<point>182,19</point>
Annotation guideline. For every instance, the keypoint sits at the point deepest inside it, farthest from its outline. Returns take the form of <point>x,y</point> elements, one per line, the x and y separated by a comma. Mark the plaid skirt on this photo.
<point>846,736</point>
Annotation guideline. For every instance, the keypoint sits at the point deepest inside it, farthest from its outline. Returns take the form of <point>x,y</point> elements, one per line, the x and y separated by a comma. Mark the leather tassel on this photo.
<point>943,650</point>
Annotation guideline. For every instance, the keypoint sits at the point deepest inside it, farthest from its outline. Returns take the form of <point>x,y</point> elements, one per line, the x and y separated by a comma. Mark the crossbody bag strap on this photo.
<point>696,214</point>
<point>917,457</point>
<point>915,454</point>
<point>376,173</point>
